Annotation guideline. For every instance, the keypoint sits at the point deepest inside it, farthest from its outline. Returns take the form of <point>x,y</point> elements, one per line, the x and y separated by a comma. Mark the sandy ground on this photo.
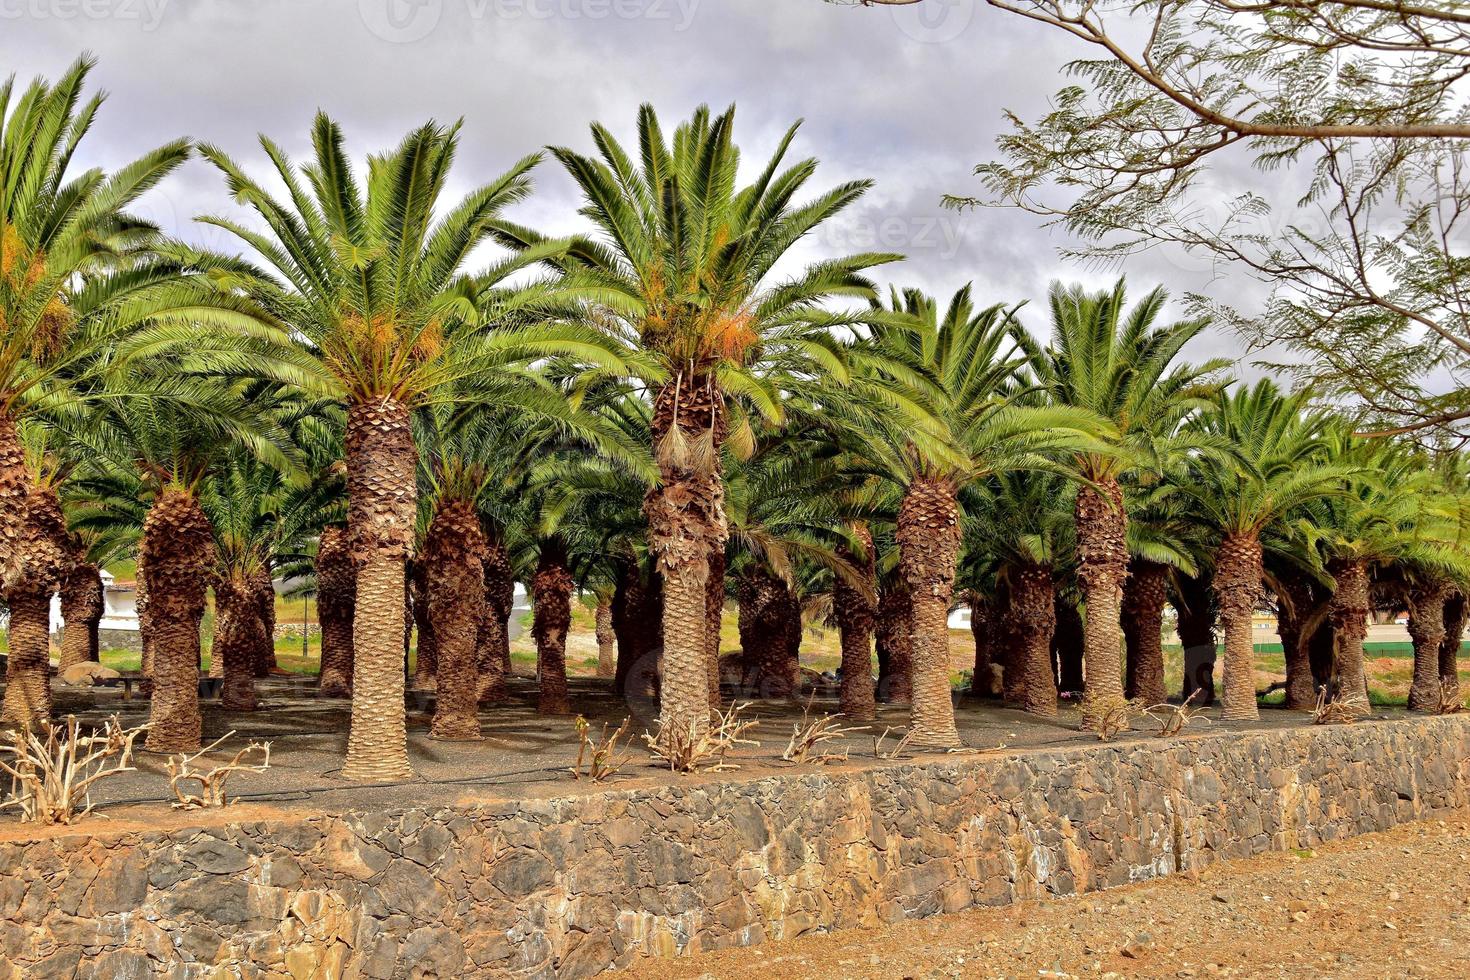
<point>1395,904</point>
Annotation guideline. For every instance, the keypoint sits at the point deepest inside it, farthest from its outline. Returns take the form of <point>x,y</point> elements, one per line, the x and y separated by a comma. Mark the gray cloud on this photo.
<point>909,97</point>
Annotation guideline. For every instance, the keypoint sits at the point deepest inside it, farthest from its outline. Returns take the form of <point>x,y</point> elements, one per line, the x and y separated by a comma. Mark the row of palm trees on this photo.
<point>662,414</point>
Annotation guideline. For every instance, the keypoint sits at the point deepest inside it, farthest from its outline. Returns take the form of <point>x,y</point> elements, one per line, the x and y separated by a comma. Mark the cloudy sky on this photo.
<point>911,97</point>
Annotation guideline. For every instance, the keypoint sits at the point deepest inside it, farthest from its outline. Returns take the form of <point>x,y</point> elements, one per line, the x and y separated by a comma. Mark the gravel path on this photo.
<point>1395,904</point>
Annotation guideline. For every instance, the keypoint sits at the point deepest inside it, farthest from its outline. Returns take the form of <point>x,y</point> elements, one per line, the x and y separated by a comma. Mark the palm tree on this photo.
<point>371,279</point>
<point>83,599</point>
<point>685,276</point>
<point>1120,365</point>
<point>1281,462</point>
<point>956,364</point>
<point>1163,539</point>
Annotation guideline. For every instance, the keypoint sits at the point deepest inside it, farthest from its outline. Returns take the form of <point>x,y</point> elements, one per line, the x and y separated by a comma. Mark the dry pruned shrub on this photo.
<point>1174,718</point>
<point>211,784</point>
<point>52,768</point>
<point>1114,717</point>
<point>686,750</point>
<point>898,748</point>
<point>1343,711</point>
<point>810,734</point>
<point>600,758</point>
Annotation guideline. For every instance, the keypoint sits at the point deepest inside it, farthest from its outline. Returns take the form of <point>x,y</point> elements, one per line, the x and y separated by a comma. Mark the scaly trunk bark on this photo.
<point>454,557</point>
<point>551,591</point>
<point>791,637</point>
<point>1238,574</point>
<point>426,653</point>
<point>637,615</point>
<point>494,638</point>
<point>1067,644</point>
<point>607,641</point>
<point>982,633</point>
<point>238,634</point>
<point>1034,606</point>
<point>145,622</point>
<point>178,547</point>
<point>929,547</point>
<point>263,591</point>
<point>765,644</point>
<point>15,485</point>
<point>894,640</point>
<point>1143,629</point>
<point>686,523</point>
<point>855,611</point>
<point>1193,603</point>
<point>382,506</point>
<point>1298,612</point>
<point>1449,650</point>
<point>82,604</point>
<point>1427,630</point>
<point>1013,652</point>
<point>1350,623</point>
<point>336,594</point>
<point>714,615</point>
<point>39,559</point>
<point>1102,567</point>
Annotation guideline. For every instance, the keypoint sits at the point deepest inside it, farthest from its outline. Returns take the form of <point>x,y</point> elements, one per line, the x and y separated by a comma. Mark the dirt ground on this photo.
<point>1395,904</point>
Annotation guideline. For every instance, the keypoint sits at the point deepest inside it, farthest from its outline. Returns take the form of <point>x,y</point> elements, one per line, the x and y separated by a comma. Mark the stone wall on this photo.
<point>572,886</point>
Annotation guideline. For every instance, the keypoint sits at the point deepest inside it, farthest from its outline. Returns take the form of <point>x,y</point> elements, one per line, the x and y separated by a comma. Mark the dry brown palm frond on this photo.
<point>1174,718</point>
<point>1450,703</point>
<point>1343,711</point>
<point>52,769</point>
<point>211,785</point>
<point>601,757</point>
<point>687,750</point>
<point>808,735</point>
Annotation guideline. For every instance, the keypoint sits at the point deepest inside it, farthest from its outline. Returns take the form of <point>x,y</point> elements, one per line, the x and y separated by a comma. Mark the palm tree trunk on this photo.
<point>765,627</point>
<point>686,523</point>
<point>894,641</point>
<point>426,653</point>
<point>1194,603</point>
<point>791,636</point>
<point>494,642</point>
<point>1299,612</point>
<point>607,641</point>
<point>637,616</point>
<point>714,615</point>
<point>263,591</point>
<point>1144,597</point>
<point>82,604</point>
<point>178,546</point>
<point>1427,630</point>
<point>237,638</point>
<point>929,546</point>
<point>551,591</point>
<point>1102,557</point>
<point>28,667</point>
<point>1238,574</point>
<point>982,632</point>
<point>382,505</point>
<point>145,620</point>
<point>855,610</point>
<point>1035,609</point>
<point>336,594</point>
<point>15,485</point>
<point>1012,651</point>
<point>1350,623</point>
<point>1449,649</point>
<point>1067,644</point>
<point>454,558</point>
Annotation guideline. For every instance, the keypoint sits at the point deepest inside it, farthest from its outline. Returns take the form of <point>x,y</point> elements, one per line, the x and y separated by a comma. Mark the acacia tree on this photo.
<point>1357,109</point>
<point>371,279</point>
<point>685,276</point>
